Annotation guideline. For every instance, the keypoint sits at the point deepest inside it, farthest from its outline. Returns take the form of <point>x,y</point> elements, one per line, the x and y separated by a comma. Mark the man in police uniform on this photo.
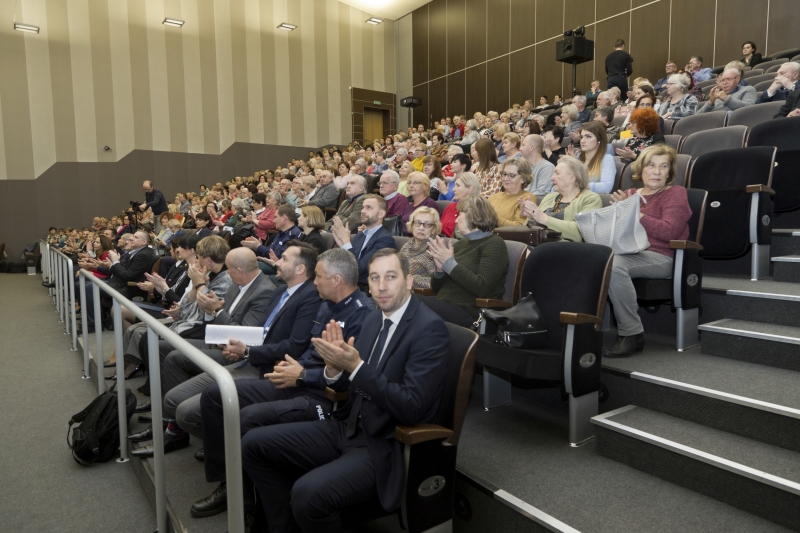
<point>293,391</point>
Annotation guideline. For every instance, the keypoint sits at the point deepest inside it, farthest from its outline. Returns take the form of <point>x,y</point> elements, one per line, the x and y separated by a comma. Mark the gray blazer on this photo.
<point>251,309</point>
<point>327,196</point>
<point>744,97</point>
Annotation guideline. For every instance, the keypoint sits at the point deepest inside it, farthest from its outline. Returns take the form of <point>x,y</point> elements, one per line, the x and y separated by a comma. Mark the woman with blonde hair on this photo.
<point>487,168</point>
<point>311,220</point>
<point>466,184</point>
<point>419,190</point>
<point>600,164</point>
<point>422,225</point>
<point>516,176</point>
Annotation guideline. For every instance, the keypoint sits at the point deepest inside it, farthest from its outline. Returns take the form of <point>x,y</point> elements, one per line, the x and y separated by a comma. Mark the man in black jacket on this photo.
<point>619,67</point>
<point>154,199</point>
<point>326,194</point>
<point>306,472</point>
<point>791,107</point>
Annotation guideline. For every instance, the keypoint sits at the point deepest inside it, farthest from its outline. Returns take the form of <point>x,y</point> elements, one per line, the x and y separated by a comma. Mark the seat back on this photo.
<point>784,134</point>
<point>673,140</point>
<point>754,114</point>
<point>697,202</point>
<point>567,277</point>
<point>156,268</point>
<point>755,80</point>
<point>795,58</point>
<point>694,123</point>
<point>328,239</point>
<point>680,174</point>
<point>517,253</point>
<point>703,142</point>
<point>708,83</point>
<point>762,86</point>
<point>783,54</point>
<point>618,121</point>
<point>458,382</point>
<point>620,170</point>
<point>669,124</point>
<point>441,205</point>
<point>767,65</point>
<point>400,241</point>
<point>753,72</point>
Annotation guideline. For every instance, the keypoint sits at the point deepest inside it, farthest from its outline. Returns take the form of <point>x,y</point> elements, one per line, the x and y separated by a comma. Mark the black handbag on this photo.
<point>521,327</point>
<point>394,225</point>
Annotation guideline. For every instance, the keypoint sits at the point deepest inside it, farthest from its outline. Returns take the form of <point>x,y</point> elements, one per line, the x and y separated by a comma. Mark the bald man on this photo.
<point>154,199</point>
<point>541,169</point>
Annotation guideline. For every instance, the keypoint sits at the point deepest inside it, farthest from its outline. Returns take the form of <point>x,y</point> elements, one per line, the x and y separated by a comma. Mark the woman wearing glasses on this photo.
<point>646,132</point>
<point>516,176</point>
<point>419,190</point>
<point>678,104</point>
<point>422,224</point>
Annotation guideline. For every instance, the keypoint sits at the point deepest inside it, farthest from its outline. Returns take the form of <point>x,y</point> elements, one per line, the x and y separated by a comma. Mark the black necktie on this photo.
<point>374,359</point>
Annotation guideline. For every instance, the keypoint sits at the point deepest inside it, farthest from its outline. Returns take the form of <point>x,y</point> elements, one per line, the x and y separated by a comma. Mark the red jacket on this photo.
<point>266,222</point>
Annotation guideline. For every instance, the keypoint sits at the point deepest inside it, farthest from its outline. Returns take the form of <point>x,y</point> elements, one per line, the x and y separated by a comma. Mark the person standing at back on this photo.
<point>619,67</point>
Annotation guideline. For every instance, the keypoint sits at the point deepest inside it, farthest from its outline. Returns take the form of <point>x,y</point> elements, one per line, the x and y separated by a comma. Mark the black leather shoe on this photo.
<point>200,455</point>
<point>143,408</point>
<point>216,503</point>
<point>625,346</point>
<point>147,434</point>
<point>171,444</point>
<point>148,418</point>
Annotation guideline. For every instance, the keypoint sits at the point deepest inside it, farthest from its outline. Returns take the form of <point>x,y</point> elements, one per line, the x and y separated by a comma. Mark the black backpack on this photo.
<point>96,439</point>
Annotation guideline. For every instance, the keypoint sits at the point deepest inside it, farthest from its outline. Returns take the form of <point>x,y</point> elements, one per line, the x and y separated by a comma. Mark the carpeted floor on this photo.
<point>43,489</point>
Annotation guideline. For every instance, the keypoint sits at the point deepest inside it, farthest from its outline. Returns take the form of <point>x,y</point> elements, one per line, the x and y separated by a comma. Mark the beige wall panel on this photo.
<point>82,81</point>
<point>295,79</point>
<point>379,66</point>
<point>283,98</point>
<point>157,64</point>
<point>61,80</point>
<point>176,92</point>
<point>346,72</point>
<point>193,87</point>
<point>333,80</point>
<point>366,31</point>
<point>41,93</point>
<point>321,118</point>
<point>102,80</point>
<point>356,47</point>
<point>208,76</point>
<point>3,174</point>
<point>255,104</point>
<point>16,106</point>
<point>268,81</point>
<point>240,73</point>
<point>120,52</point>
<point>389,57</point>
<point>309,72</point>
<point>140,75</point>
<point>222,30</point>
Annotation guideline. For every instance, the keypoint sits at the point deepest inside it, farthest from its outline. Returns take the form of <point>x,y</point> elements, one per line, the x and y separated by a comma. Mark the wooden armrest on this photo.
<point>492,303</point>
<point>424,292</point>
<point>133,284</point>
<point>336,396</point>
<point>750,189</point>
<point>579,318</point>
<point>684,245</point>
<point>411,435</point>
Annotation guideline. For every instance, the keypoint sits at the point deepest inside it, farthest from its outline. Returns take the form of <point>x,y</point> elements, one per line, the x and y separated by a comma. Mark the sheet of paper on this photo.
<point>251,336</point>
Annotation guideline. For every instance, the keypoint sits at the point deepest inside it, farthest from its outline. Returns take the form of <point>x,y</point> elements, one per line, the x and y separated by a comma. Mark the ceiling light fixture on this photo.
<point>286,26</point>
<point>374,21</point>
<point>26,27</point>
<point>173,22</point>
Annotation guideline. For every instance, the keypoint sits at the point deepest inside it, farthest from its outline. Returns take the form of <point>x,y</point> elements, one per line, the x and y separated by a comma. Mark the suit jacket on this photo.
<point>381,239</point>
<point>792,102</point>
<point>314,239</point>
<point>290,332</point>
<point>327,196</point>
<point>252,310</point>
<point>131,268</point>
<point>405,388</point>
<point>349,213</point>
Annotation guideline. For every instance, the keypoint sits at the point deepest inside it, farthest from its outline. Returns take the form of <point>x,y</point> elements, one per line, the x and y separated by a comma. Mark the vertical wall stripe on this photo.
<point>368,73</point>
<point>252,21</point>
<point>309,69</point>
<point>40,85</point>
<point>239,68</point>
<point>3,173</point>
<point>377,61</point>
<point>222,20</point>
<point>119,41</point>
<point>334,74</point>
<point>296,76</point>
<point>321,85</point>
<point>208,76</point>
<point>176,93</point>
<point>102,81</point>
<point>268,78</point>
<point>140,75</point>
<point>282,87</point>
<point>389,58</point>
<point>346,80</point>
<point>356,48</point>
<point>82,79</point>
<point>193,87</point>
<point>157,63</point>
<point>61,80</point>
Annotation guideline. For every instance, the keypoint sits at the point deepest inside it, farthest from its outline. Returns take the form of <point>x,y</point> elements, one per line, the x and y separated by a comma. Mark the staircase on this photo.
<point>722,419</point>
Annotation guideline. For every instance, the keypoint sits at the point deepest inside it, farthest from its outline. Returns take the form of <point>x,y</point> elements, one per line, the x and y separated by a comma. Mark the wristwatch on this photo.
<point>301,380</point>
<point>246,353</point>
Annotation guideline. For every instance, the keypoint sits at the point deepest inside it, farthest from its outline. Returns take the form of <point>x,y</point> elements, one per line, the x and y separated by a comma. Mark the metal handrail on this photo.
<point>65,292</point>
<point>227,388</point>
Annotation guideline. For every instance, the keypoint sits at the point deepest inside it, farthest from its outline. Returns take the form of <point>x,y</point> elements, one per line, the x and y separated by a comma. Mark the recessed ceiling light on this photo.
<point>173,22</point>
<point>374,21</point>
<point>26,27</point>
<point>286,26</point>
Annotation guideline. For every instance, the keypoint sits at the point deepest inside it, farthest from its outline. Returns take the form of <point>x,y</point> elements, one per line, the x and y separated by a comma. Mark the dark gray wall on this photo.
<point>71,194</point>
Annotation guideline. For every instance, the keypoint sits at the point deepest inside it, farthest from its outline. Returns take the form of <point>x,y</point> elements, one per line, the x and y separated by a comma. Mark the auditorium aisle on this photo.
<point>43,489</point>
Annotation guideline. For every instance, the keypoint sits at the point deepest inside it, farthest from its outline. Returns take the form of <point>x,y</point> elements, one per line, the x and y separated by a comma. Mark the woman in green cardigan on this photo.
<point>571,196</point>
<point>473,267</point>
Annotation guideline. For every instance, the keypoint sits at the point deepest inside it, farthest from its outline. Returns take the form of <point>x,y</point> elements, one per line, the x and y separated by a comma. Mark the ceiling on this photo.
<point>387,9</point>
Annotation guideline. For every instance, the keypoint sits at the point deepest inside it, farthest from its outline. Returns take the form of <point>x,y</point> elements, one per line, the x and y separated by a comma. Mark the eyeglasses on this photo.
<point>415,183</point>
<point>509,175</point>
<point>645,105</point>
<point>420,224</point>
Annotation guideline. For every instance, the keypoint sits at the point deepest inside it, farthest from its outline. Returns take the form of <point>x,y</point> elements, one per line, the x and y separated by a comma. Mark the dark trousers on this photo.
<point>452,313</point>
<point>261,404</point>
<point>306,472</point>
<point>618,80</point>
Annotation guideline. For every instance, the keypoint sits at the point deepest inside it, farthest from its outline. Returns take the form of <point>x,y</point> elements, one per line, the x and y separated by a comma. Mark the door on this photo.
<point>373,124</point>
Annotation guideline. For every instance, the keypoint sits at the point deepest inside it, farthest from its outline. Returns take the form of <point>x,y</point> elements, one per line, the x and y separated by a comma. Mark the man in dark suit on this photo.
<point>372,237</point>
<point>306,472</point>
<point>326,194</point>
<point>791,107</point>
<point>349,212</point>
<point>154,199</point>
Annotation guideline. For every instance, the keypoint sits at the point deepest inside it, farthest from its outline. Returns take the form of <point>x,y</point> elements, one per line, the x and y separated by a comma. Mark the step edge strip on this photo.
<point>615,412</point>
<point>719,395</point>
<point>750,334</point>
<point>765,295</point>
<point>786,259</point>
<point>705,457</point>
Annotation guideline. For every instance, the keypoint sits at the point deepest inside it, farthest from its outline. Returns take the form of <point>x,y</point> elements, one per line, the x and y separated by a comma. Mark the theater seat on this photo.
<point>738,220</point>
<point>680,174</point>
<point>400,241</point>
<point>669,124</point>
<point>755,80</point>
<point>767,65</point>
<point>673,141</point>
<point>784,134</point>
<point>754,114</point>
<point>694,123</point>
<point>754,72</point>
<point>328,239</point>
<point>783,54</point>
<point>708,83</point>
<point>703,142</point>
<point>441,205</point>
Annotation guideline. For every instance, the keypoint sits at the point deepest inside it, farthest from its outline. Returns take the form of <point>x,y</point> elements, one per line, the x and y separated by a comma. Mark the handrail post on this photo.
<point>98,336</point>
<point>233,451</point>
<point>73,312</point>
<point>59,303</point>
<point>121,400</point>
<point>154,363</point>
<point>84,325</point>
<point>65,295</point>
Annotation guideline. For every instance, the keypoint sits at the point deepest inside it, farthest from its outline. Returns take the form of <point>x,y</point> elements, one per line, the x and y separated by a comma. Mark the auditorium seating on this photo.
<point>755,80</point>
<point>753,114</point>
<point>708,83</point>
<point>673,141</point>
<point>762,86</point>
<point>669,124</point>
<point>703,142</point>
<point>767,65</point>
<point>753,73</point>
<point>784,54</point>
<point>784,134</point>
<point>694,123</point>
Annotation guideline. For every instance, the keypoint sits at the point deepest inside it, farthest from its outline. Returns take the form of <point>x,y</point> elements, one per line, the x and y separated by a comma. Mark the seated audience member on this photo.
<point>125,228</point>
<point>665,217</point>
<point>696,70</point>
<point>292,392</point>
<point>541,169</point>
<point>433,169</point>
<point>594,90</point>
<point>459,163</point>
<point>511,142</point>
<point>419,159</point>
<point>553,136</point>
<point>542,102</point>
<point>326,195</point>
<point>615,94</point>
<point>466,184</point>
<point>310,220</point>
<point>340,181</point>
<point>500,129</point>
<point>486,167</point>
<point>379,163</point>
<point>516,176</point>
<point>295,194</point>
<point>403,171</point>
<point>603,100</point>
<point>569,121</point>
<point>349,213</point>
<point>787,80</point>
<point>750,57</point>
<point>285,218</point>
<point>728,95</point>
<point>470,133</point>
<point>571,195</point>
<point>643,124</point>
<point>605,115</point>
<point>203,222</point>
<point>400,383</point>
<point>678,104</point>
<point>791,107</point>
<point>438,146</point>
<point>457,129</point>
<point>422,225</point>
<point>419,194</point>
<point>473,267</point>
<point>396,202</point>
<point>599,163</point>
<point>263,215</point>
<point>584,114</point>
<point>661,85</point>
<point>372,237</point>
<point>400,158</point>
<point>452,151</point>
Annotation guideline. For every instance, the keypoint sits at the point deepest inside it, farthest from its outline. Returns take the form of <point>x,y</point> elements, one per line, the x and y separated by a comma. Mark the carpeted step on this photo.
<point>785,242</point>
<point>758,478</point>
<point>752,342</point>
<point>786,268</point>
<point>757,301</point>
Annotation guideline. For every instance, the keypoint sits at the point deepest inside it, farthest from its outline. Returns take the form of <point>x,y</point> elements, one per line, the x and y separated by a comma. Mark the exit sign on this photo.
<point>376,102</point>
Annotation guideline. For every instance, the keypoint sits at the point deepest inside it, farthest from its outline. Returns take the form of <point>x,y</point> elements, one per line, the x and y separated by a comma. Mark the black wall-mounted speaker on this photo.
<point>574,50</point>
<point>411,101</point>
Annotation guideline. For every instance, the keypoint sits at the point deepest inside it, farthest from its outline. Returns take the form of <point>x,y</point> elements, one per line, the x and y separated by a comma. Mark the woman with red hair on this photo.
<point>645,126</point>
